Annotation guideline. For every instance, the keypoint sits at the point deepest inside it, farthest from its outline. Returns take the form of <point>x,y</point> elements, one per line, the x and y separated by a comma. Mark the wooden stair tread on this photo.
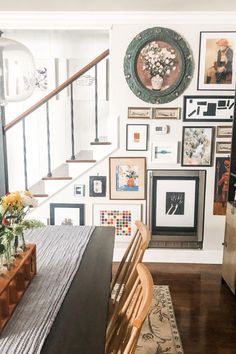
<point>100,143</point>
<point>56,178</point>
<point>40,195</point>
<point>81,161</point>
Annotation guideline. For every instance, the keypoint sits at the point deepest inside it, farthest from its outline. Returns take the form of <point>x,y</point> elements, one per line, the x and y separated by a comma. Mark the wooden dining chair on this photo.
<point>133,255</point>
<point>123,335</point>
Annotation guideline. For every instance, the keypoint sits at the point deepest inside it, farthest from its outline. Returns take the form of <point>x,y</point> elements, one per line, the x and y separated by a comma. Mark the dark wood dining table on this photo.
<point>80,325</point>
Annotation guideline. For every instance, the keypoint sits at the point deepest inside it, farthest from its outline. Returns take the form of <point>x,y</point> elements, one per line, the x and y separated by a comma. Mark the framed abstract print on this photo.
<point>197,146</point>
<point>158,65</point>
<point>217,63</point>
<point>127,177</point>
<point>66,214</point>
<point>136,137</point>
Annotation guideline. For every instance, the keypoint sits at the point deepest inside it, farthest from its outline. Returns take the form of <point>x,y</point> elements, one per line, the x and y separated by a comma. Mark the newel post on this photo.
<point>3,155</point>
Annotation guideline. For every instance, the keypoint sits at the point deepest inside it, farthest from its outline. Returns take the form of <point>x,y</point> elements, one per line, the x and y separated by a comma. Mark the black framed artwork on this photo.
<point>158,65</point>
<point>208,108</point>
<point>66,214</point>
<point>97,186</point>
<point>197,146</point>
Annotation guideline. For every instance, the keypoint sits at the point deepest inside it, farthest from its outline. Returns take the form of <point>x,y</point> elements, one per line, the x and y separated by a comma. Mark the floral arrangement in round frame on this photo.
<point>158,65</point>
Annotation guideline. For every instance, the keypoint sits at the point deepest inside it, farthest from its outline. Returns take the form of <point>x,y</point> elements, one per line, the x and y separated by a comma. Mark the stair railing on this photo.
<point>4,128</point>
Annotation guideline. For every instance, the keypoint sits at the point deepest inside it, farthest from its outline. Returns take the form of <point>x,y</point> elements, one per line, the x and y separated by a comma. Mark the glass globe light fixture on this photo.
<point>17,71</point>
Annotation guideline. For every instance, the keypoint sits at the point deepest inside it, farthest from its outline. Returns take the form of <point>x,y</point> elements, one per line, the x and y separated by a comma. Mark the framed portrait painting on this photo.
<point>136,137</point>
<point>127,177</point>
<point>217,63</point>
<point>197,146</point>
<point>66,214</point>
<point>221,185</point>
<point>158,65</point>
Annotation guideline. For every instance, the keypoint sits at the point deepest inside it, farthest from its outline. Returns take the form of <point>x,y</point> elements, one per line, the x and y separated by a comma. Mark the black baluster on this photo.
<point>48,141</point>
<point>96,103</point>
<point>25,155</point>
<point>72,122</point>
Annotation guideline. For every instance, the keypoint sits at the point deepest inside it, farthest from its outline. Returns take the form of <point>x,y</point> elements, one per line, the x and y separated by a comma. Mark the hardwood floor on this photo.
<point>205,308</point>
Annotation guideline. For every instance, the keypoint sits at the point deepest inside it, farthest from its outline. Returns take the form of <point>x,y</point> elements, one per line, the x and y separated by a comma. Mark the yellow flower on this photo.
<point>12,201</point>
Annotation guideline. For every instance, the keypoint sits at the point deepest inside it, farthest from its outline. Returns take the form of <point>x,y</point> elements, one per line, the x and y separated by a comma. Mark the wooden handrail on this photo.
<point>57,90</point>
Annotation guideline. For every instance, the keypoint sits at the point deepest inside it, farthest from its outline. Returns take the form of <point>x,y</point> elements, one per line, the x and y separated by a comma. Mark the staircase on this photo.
<point>57,175</point>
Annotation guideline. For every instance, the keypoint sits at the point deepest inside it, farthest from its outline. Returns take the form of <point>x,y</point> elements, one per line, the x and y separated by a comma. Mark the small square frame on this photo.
<point>97,186</point>
<point>79,190</point>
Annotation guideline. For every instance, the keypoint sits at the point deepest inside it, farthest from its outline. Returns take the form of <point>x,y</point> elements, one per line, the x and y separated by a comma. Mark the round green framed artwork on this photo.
<point>158,65</point>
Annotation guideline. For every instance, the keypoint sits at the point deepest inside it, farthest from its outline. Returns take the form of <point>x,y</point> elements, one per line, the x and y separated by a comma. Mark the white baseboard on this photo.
<point>176,256</point>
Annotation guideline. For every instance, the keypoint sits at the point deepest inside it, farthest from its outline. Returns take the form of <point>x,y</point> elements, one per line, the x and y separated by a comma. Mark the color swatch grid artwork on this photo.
<point>120,219</point>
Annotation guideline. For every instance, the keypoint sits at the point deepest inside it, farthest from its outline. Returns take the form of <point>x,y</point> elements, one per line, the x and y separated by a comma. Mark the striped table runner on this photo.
<point>59,253</point>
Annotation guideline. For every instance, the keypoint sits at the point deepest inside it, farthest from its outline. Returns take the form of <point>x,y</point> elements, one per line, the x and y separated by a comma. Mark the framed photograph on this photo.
<point>164,152</point>
<point>223,147</point>
<point>121,216</point>
<point>136,137</point>
<point>176,208</point>
<point>208,108</point>
<point>224,131</point>
<point>66,214</point>
<point>166,113</point>
<point>140,112</point>
<point>158,65</point>
<point>221,185</point>
<point>217,64</point>
<point>79,190</point>
<point>97,186</point>
<point>127,177</point>
<point>197,146</point>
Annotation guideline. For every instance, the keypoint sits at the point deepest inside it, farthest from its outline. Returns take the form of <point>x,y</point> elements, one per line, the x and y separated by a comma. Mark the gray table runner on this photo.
<point>59,253</point>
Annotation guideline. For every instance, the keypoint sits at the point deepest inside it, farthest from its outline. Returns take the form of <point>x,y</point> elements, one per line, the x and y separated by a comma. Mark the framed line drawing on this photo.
<point>224,131</point>
<point>197,146</point>
<point>97,186</point>
<point>121,216</point>
<point>166,113</point>
<point>136,137</point>
<point>66,214</point>
<point>127,177</point>
<point>208,108</point>
<point>164,152</point>
<point>158,65</point>
<point>140,112</point>
<point>176,207</point>
<point>223,147</point>
<point>217,64</point>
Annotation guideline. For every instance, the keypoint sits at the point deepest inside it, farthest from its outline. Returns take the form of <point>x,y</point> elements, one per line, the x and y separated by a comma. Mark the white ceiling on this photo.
<point>118,5</point>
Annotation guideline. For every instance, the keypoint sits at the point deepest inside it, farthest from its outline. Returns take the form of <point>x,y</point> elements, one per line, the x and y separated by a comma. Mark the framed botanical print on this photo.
<point>208,108</point>
<point>197,146</point>
<point>136,137</point>
<point>127,177</point>
<point>158,65</point>
<point>97,186</point>
<point>66,214</point>
<point>217,62</point>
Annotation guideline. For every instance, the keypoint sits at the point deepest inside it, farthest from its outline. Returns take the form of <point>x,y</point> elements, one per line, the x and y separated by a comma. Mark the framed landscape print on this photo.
<point>197,146</point>
<point>66,214</point>
<point>221,185</point>
<point>217,63</point>
<point>167,113</point>
<point>121,216</point>
<point>208,108</point>
<point>127,177</point>
<point>136,137</point>
<point>140,112</point>
<point>164,153</point>
<point>224,131</point>
<point>158,65</point>
<point>223,147</point>
<point>176,208</point>
<point>97,186</point>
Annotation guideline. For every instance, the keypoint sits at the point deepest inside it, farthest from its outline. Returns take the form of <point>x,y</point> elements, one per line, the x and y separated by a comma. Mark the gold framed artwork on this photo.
<point>140,112</point>
<point>166,113</point>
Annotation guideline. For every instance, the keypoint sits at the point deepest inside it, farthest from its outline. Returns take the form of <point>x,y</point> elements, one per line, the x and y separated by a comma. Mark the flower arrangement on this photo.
<point>157,60</point>
<point>13,209</point>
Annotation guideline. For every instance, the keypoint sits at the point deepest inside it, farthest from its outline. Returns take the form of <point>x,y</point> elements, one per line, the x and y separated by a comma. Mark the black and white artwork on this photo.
<point>97,186</point>
<point>208,108</point>
<point>175,203</point>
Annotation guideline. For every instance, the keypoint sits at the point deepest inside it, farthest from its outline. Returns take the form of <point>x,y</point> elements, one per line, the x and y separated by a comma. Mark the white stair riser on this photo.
<point>77,168</point>
<point>52,186</point>
<point>99,151</point>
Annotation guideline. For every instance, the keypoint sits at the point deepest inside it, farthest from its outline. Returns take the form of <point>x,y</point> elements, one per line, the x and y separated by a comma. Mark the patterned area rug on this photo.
<point>159,334</point>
